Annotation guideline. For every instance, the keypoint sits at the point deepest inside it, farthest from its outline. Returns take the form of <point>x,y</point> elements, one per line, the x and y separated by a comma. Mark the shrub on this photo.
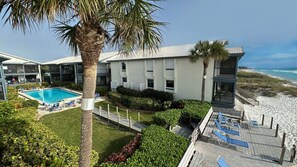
<point>128,92</point>
<point>178,104</point>
<point>45,84</point>
<point>74,86</point>
<point>27,142</point>
<point>126,151</point>
<point>195,109</point>
<point>102,90</point>
<point>12,93</point>
<point>159,95</point>
<point>135,102</point>
<point>28,86</point>
<point>166,105</point>
<point>167,118</point>
<point>159,147</point>
<point>31,103</point>
<point>6,110</point>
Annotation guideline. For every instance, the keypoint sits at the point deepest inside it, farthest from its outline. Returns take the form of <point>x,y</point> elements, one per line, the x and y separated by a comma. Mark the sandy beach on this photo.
<point>284,111</point>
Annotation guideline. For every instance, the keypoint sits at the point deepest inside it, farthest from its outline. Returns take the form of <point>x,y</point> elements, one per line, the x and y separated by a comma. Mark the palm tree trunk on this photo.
<point>90,43</point>
<point>205,65</point>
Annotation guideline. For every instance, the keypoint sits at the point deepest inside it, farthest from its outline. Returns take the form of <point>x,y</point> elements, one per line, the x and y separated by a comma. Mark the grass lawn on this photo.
<point>106,138</point>
<point>145,117</point>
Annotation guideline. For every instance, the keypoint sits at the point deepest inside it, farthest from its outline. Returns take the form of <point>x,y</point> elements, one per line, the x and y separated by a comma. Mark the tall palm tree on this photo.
<point>87,26</point>
<point>207,50</point>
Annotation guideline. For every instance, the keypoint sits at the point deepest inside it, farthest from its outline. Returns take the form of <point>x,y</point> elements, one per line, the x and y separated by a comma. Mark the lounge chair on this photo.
<point>231,140</point>
<point>221,162</point>
<point>229,131</point>
<point>223,120</point>
<point>252,122</point>
<point>70,104</point>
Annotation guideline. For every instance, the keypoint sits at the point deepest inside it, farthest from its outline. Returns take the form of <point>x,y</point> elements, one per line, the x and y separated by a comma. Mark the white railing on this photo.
<point>195,134</point>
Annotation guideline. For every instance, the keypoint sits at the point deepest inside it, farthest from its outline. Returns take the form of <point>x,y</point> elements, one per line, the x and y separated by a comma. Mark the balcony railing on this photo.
<point>225,71</point>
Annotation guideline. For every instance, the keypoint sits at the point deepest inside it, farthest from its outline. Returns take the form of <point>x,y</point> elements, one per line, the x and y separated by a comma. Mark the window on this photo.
<point>169,84</point>
<point>123,67</point>
<point>149,66</point>
<point>124,79</point>
<point>31,68</point>
<point>169,64</point>
<point>150,83</point>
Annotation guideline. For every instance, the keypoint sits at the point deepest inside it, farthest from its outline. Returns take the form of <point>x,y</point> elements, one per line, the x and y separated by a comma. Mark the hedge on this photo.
<point>102,90</point>
<point>136,102</point>
<point>28,86</point>
<point>167,118</point>
<point>148,93</point>
<point>27,142</point>
<point>158,147</point>
<point>195,109</point>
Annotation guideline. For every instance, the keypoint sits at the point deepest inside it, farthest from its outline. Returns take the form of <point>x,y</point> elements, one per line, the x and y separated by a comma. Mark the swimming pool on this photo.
<point>52,95</point>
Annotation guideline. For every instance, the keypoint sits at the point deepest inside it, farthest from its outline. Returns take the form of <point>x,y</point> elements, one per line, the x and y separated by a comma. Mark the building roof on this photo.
<point>77,59</point>
<point>3,58</point>
<point>170,52</point>
<point>11,59</point>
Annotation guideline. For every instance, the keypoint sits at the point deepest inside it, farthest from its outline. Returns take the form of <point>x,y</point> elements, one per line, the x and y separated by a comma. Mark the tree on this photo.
<point>207,50</point>
<point>86,26</point>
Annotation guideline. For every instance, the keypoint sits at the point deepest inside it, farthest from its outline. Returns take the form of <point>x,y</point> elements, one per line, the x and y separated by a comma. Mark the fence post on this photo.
<point>138,114</point>
<point>108,116</point>
<point>100,110</point>
<point>271,122</point>
<point>283,139</point>
<point>281,159</point>
<point>117,109</point>
<point>293,153</point>
<point>263,119</point>
<point>107,107</point>
<point>127,113</point>
<point>118,120</point>
<point>130,124</point>
<point>242,118</point>
<point>276,130</point>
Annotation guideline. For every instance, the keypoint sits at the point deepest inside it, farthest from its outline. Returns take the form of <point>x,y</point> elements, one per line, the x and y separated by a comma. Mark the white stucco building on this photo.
<point>170,70</point>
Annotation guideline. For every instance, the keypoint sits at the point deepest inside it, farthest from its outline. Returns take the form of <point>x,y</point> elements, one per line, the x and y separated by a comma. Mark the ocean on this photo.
<point>284,73</point>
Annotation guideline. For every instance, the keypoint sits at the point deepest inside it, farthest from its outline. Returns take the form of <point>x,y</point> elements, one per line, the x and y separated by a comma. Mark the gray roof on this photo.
<point>12,59</point>
<point>170,52</point>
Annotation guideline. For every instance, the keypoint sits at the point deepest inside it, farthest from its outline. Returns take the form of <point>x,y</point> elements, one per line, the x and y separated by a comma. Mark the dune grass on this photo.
<point>264,85</point>
<point>106,138</point>
<point>145,117</point>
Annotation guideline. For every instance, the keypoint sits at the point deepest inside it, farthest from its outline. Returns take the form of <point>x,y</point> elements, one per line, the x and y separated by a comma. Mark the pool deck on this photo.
<point>264,148</point>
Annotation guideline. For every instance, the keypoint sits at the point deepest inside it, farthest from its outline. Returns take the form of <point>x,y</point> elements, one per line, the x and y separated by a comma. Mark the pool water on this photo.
<point>50,96</point>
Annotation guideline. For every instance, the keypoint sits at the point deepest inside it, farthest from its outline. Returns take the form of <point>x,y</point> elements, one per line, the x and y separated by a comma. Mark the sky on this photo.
<point>266,29</point>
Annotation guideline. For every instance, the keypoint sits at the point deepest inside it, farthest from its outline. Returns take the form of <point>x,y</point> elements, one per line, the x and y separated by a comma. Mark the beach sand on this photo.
<point>283,109</point>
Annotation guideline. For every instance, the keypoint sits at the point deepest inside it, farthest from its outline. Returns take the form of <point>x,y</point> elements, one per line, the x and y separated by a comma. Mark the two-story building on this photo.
<point>20,70</point>
<point>71,69</point>
<point>170,70</point>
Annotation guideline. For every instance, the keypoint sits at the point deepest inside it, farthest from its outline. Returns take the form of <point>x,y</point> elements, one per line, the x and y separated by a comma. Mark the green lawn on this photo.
<point>106,138</point>
<point>145,117</point>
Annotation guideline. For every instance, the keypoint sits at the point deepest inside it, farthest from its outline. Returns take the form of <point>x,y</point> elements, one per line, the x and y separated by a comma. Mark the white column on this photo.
<point>39,73</point>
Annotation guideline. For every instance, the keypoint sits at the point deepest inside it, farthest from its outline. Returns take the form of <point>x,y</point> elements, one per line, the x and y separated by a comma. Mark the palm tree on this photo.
<point>207,50</point>
<point>87,26</point>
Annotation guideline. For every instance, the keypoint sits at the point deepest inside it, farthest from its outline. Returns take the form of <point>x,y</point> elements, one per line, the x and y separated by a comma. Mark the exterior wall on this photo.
<point>3,89</point>
<point>187,76</point>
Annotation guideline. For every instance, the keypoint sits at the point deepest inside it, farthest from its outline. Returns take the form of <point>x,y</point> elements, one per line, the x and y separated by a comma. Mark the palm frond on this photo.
<point>67,34</point>
<point>134,26</point>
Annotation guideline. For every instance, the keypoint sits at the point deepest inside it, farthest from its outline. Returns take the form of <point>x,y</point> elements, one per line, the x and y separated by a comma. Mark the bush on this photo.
<point>6,110</point>
<point>159,95</point>
<point>126,151</point>
<point>128,92</point>
<point>159,147</point>
<point>135,102</point>
<point>31,103</point>
<point>147,93</point>
<point>28,86</point>
<point>45,84</point>
<point>178,105</point>
<point>74,86</point>
<point>12,93</point>
<point>102,90</point>
<point>167,118</point>
<point>27,142</point>
<point>195,109</point>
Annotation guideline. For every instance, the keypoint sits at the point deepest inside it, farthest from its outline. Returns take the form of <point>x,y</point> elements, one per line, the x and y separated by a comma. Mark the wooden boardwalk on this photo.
<point>264,149</point>
<point>136,126</point>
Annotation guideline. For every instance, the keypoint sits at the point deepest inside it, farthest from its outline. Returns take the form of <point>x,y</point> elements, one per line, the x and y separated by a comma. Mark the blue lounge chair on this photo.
<point>231,140</point>
<point>229,131</point>
<point>227,121</point>
<point>221,162</point>
<point>97,95</point>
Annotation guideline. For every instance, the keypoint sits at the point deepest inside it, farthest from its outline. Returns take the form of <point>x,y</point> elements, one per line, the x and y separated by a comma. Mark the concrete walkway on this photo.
<point>136,126</point>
